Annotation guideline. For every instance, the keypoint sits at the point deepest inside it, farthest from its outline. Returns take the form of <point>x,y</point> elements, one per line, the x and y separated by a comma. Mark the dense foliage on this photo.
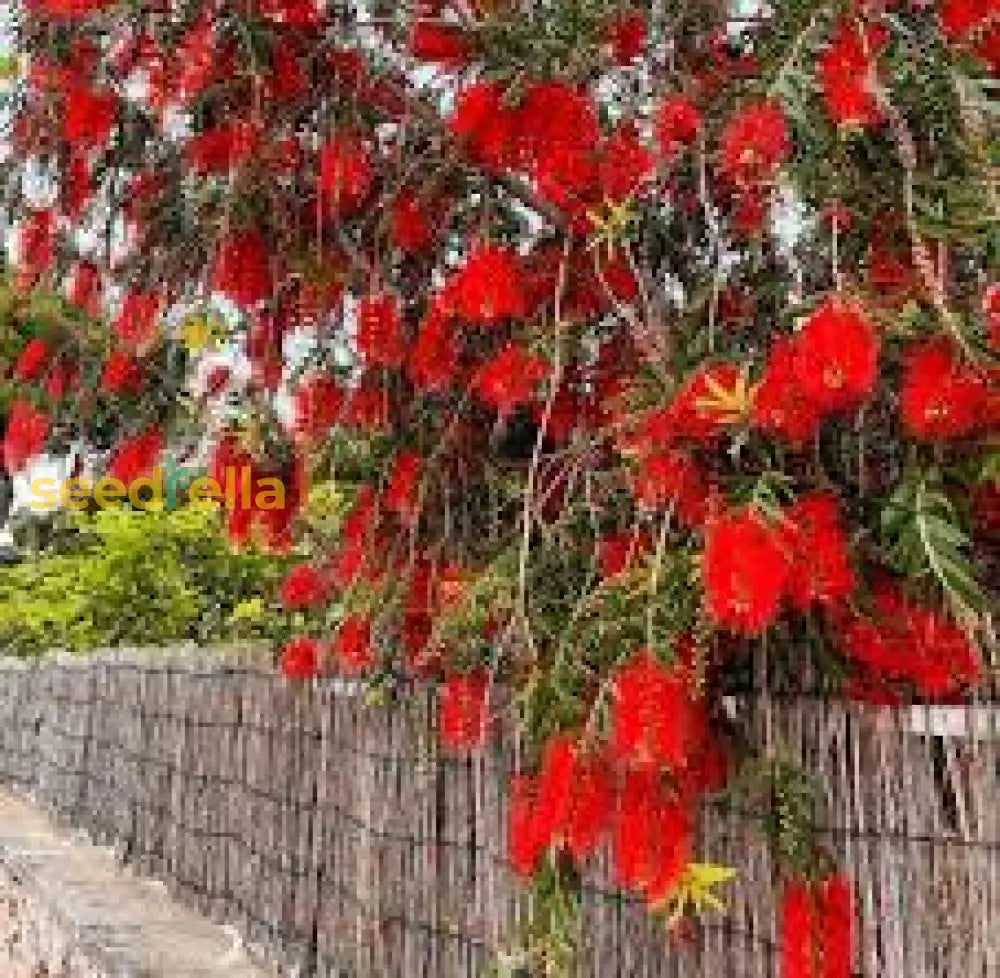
<point>666,334</point>
<point>137,579</point>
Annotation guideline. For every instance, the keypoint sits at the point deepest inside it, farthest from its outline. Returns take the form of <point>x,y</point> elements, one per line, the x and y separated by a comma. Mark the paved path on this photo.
<point>67,910</point>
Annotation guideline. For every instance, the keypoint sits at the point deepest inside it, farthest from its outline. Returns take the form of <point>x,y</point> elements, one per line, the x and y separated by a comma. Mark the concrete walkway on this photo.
<point>67,910</point>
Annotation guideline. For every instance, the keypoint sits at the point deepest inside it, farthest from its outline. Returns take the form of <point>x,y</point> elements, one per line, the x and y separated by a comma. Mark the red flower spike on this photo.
<point>820,568</point>
<point>678,123</point>
<point>797,931</point>
<point>135,457</point>
<point>411,223</point>
<point>32,361</point>
<point>462,711</point>
<point>243,269</point>
<point>224,148</point>
<point>625,164</point>
<point>941,398</point>
<point>441,44</point>
<point>618,552</point>
<point>36,241</point>
<point>673,480</point>
<point>434,358</point>
<point>844,70</point>
<point>300,659</point>
<point>652,714</point>
<point>402,491</point>
<point>89,117</point>
<point>380,339</point>
<point>83,289</point>
<point>488,288</point>
<point>352,647</point>
<point>780,405</point>
<point>836,925</point>
<point>509,379</point>
<point>318,402</point>
<point>745,572</point>
<point>625,34</point>
<point>754,144</point>
<point>24,437</point>
<point>302,588</point>
<point>137,321</point>
<point>836,356</point>
<point>345,174</point>
<point>525,844</point>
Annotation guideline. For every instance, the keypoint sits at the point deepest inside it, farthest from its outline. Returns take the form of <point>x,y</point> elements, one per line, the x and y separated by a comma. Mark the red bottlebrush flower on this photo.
<point>820,569</point>
<point>76,189</point>
<point>625,164</point>
<point>195,58</point>
<point>625,34</point>
<point>797,931</point>
<point>488,288</point>
<point>288,80</point>
<point>83,289</point>
<point>673,480</point>
<point>402,491</point>
<point>318,403</point>
<point>962,18</point>
<point>300,659</point>
<point>651,837</point>
<point>703,409</point>
<point>780,405</point>
<point>69,9</point>
<point>223,148</point>
<point>904,642</point>
<point>554,788</point>
<point>744,572</point>
<point>380,339</point>
<point>135,457</point>
<point>411,224</point>
<point>368,406</point>
<point>137,320</point>
<point>484,126</point>
<point>32,361</point>
<point>941,398</point>
<point>89,116</point>
<point>345,174</point>
<point>291,13</point>
<point>678,123</point>
<point>618,552</point>
<point>36,240</point>
<point>592,808</point>
<point>991,309</point>
<point>554,114</point>
<point>652,714</point>
<point>754,143</point>
<point>303,587</point>
<point>432,362</point>
<point>243,269</point>
<point>509,379</point>
<point>844,73</point>
<point>441,44</point>
<point>836,925</point>
<point>352,647</point>
<point>525,843</point>
<point>462,711</point>
<point>836,356</point>
<point>24,436</point>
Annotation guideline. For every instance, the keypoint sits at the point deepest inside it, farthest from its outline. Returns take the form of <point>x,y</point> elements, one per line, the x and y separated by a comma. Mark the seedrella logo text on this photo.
<point>162,488</point>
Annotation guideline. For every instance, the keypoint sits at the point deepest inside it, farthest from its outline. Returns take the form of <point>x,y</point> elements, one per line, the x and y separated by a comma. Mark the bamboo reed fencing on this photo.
<point>342,843</point>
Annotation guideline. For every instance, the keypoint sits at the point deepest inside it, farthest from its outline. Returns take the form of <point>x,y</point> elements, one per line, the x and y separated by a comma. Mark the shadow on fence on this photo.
<point>338,839</point>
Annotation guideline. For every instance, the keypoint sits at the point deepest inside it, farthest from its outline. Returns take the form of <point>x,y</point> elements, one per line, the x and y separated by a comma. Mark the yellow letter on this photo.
<point>204,494</point>
<point>74,493</point>
<point>109,491</point>
<point>155,483</point>
<point>278,492</point>
<point>45,491</point>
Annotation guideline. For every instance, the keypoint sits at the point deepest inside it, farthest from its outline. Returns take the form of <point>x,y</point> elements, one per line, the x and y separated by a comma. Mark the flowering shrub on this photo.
<point>619,416</point>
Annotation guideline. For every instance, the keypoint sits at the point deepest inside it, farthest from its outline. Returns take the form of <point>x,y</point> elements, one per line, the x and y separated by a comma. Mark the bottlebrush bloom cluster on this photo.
<point>817,929</point>
<point>604,420</point>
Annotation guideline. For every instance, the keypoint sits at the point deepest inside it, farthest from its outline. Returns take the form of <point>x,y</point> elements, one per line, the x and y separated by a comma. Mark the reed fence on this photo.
<point>341,842</point>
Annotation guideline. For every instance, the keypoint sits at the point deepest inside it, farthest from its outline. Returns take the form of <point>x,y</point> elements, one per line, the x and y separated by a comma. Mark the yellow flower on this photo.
<point>694,891</point>
<point>610,227</point>
<point>199,332</point>
<point>729,406</point>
